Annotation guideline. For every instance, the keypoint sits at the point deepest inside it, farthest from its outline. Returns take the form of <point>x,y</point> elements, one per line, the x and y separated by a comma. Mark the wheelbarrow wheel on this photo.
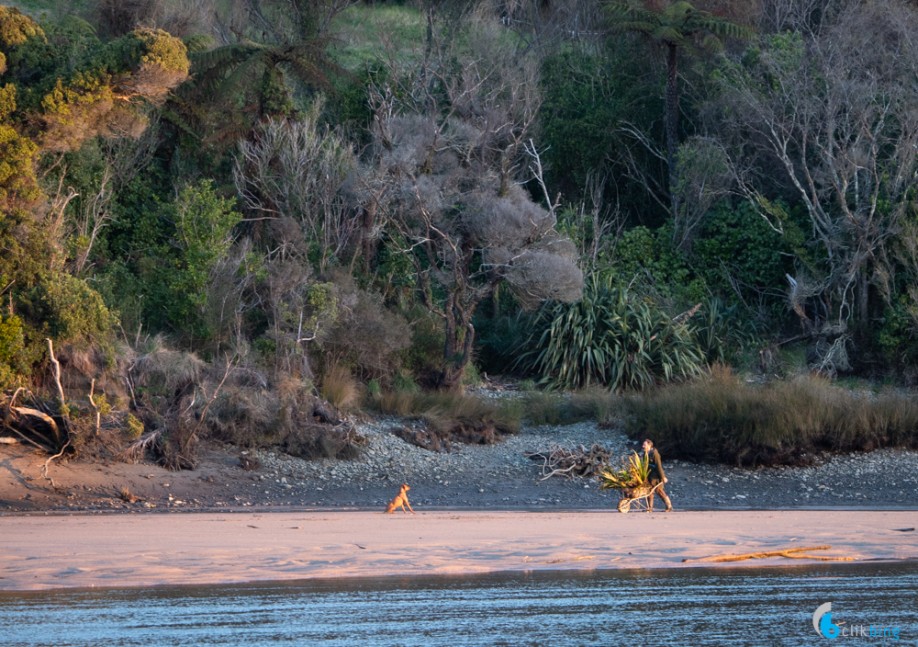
<point>624,506</point>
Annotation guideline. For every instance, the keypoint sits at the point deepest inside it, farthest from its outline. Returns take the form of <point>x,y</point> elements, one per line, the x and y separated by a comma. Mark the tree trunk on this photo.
<point>460,337</point>
<point>671,125</point>
<point>367,242</point>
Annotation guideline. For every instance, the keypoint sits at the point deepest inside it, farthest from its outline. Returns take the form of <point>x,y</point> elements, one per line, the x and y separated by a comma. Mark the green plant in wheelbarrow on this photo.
<point>632,479</point>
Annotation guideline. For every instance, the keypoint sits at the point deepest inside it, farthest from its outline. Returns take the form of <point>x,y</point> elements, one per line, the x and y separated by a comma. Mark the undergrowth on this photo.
<point>451,416</point>
<point>720,418</point>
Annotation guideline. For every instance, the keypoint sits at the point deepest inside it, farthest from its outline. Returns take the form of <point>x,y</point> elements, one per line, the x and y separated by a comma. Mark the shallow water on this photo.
<point>673,607</point>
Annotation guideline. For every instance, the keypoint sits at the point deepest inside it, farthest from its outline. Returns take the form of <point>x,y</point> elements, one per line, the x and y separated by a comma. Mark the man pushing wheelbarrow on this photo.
<point>639,479</point>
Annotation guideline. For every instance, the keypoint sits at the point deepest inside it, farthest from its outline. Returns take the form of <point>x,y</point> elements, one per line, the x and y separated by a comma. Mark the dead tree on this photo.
<point>445,166</point>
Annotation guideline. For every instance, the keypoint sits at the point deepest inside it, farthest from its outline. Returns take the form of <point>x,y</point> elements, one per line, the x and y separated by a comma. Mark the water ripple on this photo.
<point>676,607</point>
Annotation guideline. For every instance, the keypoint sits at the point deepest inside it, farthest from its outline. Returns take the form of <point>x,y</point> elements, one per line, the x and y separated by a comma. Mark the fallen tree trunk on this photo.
<point>32,425</point>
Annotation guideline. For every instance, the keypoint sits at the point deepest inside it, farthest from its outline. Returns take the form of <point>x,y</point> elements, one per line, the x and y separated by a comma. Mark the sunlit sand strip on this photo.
<point>50,552</point>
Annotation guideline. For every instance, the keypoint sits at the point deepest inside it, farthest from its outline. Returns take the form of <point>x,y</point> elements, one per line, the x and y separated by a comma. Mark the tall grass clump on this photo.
<point>454,416</point>
<point>339,387</point>
<point>720,418</point>
<point>611,338</point>
<point>552,408</point>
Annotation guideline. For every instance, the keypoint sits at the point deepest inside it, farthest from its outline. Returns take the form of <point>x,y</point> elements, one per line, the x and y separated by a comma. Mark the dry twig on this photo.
<point>136,450</point>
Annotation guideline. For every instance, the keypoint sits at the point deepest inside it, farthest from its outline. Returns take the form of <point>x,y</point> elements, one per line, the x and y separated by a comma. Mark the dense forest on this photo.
<point>241,219</point>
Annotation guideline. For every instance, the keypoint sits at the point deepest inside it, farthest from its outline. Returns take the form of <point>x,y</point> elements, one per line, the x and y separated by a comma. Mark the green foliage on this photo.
<point>203,222</point>
<point>645,259</point>
<point>425,355</point>
<point>71,311</point>
<point>737,249</point>
<point>16,28</point>
<point>235,86</point>
<point>84,89</point>
<point>80,86</point>
<point>159,49</point>
<point>612,338</point>
<point>366,336</point>
<point>364,33</point>
<point>14,362</point>
<point>721,418</point>
<point>18,185</point>
<point>134,426</point>
<point>7,101</point>
<point>70,46</point>
<point>723,331</point>
<point>897,332</point>
<point>634,472</point>
<point>587,96</point>
<point>500,339</point>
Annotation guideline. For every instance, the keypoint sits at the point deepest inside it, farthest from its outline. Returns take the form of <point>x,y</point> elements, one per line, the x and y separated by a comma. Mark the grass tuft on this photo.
<point>454,417</point>
<point>340,388</point>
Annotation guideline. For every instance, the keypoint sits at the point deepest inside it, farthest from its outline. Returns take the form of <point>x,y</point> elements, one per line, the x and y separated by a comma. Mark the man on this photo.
<point>657,476</point>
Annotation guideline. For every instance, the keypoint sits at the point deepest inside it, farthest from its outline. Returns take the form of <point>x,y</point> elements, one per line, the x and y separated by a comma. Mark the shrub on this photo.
<point>317,441</point>
<point>467,418</point>
<point>13,359</point>
<point>646,260</point>
<point>451,417</point>
<point>722,333</point>
<point>614,339</point>
<point>500,339</point>
<point>134,426</point>
<point>72,311</point>
<point>18,184</point>
<point>424,357</point>
<point>366,336</point>
<point>896,334</point>
<point>738,250</point>
<point>204,222</point>
<point>244,415</point>
<point>543,408</point>
<point>339,387</point>
<point>720,418</point>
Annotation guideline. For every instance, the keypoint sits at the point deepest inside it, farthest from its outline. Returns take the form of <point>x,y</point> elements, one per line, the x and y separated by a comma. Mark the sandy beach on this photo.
<point>44,552</point>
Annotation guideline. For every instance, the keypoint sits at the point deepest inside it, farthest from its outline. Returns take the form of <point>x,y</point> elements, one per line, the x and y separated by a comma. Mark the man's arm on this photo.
<point>659,462</point>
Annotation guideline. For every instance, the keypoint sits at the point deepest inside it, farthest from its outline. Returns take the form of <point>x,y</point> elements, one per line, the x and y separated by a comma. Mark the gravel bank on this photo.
<point>495,477</point>
<point>502,477</point>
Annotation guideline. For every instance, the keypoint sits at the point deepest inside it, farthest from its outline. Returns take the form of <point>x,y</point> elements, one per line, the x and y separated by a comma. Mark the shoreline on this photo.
<point>50,551</point>
<point>334,508</point>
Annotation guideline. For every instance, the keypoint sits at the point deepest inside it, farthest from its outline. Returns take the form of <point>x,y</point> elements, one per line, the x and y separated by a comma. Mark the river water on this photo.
<point>694,606</point>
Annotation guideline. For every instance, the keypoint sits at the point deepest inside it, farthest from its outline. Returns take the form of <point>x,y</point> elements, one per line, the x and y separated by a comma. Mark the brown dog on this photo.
<point>400,500</point>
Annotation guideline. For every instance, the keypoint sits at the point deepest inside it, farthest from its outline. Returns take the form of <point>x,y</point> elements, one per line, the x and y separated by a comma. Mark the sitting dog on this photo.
<point>400,501</point>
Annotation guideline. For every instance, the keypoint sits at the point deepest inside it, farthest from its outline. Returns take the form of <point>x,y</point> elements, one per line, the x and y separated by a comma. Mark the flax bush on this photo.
<point>612,338</point>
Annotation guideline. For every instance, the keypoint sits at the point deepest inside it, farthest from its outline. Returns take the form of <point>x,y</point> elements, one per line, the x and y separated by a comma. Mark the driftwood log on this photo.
<point>800,552</point>
<point>579,462</point>
<point>32,426</point>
